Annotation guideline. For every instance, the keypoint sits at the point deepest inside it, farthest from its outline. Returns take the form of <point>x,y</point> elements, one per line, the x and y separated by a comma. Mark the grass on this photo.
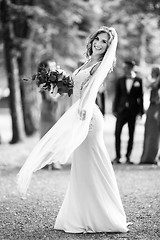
<point>34,217</point>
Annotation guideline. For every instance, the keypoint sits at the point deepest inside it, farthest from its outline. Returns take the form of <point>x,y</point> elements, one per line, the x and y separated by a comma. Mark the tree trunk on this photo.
<point>13,75</point>
<point>142,46</point>
<point>28,94</point>
<point>28,90</point>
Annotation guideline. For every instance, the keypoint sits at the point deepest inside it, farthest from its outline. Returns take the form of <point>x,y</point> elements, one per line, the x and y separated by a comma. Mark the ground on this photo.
<point>34,216</point>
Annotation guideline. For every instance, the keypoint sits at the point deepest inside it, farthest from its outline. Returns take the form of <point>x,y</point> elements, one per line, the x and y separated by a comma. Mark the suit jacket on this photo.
<point>128,101</point>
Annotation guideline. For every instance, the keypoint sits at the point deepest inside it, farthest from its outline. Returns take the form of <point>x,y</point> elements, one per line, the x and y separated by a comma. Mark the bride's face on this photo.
<point>99,44</point>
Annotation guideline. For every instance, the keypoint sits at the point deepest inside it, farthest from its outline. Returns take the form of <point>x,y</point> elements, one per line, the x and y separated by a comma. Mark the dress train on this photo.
<point>92,202</point>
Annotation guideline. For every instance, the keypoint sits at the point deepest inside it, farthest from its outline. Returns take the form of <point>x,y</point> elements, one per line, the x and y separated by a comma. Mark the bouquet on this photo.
<point>50,80</point>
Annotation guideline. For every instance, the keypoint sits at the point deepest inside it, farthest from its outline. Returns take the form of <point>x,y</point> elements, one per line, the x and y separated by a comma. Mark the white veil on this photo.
<point>70,131</point>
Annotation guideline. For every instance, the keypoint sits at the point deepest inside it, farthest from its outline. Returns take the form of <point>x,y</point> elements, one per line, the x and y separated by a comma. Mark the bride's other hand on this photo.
<point>42,86</point>
<point>82,114</point>
<point>113,31</point>
<point>54,93</point>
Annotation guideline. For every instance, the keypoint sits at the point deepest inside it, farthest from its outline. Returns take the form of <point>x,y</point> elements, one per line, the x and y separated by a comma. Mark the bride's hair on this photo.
<point>102,29</point>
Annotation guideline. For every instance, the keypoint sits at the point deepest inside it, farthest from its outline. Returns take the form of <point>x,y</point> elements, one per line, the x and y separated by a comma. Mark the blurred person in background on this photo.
<point>152,124</point>
<point>127,105</point>
<point>49,113</point>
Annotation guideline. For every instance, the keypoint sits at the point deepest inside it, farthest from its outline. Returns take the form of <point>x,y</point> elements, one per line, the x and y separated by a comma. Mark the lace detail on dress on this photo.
<point>91,125</point>
<point>93,119</point>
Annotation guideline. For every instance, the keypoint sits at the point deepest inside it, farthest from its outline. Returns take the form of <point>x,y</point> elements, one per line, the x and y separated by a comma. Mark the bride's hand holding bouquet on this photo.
<point>53,80</point>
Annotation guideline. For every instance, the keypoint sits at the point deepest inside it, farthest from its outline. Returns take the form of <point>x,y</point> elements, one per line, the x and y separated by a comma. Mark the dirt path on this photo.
<point>34,217</point>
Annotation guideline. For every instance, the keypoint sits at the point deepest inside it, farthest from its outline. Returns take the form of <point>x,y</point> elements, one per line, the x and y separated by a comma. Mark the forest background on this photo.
<point>32,31</point>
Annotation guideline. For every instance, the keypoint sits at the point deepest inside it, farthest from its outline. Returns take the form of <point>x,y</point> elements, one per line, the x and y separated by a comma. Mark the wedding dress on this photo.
<point>92,202</point>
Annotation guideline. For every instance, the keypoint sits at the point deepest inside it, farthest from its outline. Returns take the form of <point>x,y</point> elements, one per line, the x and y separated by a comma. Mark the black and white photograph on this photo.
<point>79,120</point>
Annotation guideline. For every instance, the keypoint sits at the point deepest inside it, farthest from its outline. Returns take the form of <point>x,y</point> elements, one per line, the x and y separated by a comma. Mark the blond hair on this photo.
<point>102,29</point>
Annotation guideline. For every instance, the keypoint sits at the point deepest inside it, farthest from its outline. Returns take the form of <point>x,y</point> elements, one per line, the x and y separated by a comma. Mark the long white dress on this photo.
<point>92,202</point>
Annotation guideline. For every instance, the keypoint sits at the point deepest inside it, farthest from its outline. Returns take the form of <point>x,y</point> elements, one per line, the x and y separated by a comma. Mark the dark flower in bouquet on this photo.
<point>65,84</point>
<point>48,80</point>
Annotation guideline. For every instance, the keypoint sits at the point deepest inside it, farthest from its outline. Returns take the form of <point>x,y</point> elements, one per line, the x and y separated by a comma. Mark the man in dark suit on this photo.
<point>127,105</point>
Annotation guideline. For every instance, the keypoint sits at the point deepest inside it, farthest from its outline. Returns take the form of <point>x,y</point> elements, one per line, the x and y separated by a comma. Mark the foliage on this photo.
<point>137,26</point>
<point>59,26</point>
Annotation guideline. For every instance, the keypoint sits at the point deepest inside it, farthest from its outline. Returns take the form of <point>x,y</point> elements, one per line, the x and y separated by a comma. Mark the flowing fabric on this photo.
<point>92,202</point>
<point>70,131</point>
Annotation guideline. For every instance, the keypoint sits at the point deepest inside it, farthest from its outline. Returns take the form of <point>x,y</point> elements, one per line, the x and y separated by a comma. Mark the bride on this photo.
<point>92,202</point>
